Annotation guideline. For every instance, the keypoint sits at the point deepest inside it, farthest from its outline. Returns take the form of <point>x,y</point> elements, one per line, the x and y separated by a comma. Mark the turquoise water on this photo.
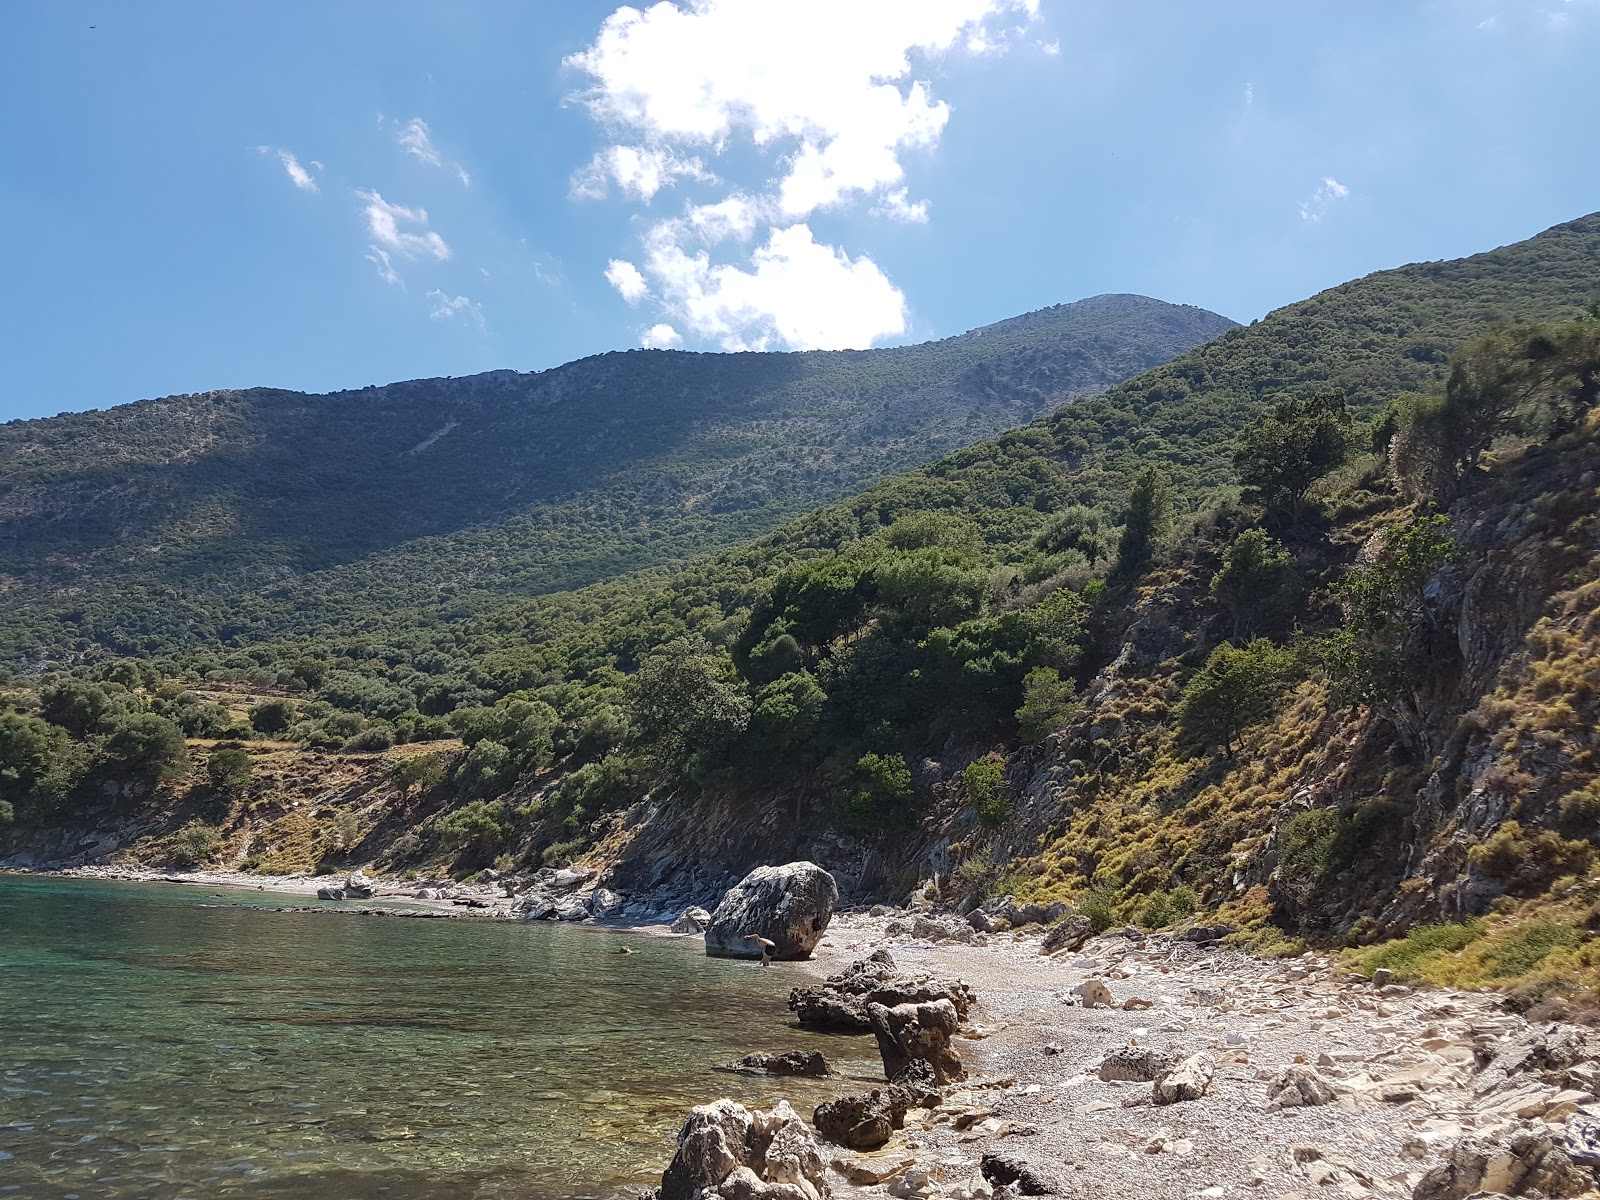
<point>162,1041</point>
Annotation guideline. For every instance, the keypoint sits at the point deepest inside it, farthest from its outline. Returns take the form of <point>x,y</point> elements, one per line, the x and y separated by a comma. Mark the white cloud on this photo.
<point>799,295</point>
<point>625,277</point>
<point>384,221</point>
<point>413,138</point>
<point>386,272</point>
<point>1249,94</point>
<point>463,175</point>
<point>297,174</point>
<point>826,94</point>
<point>660,337</point>
<point>448,308</point>
<point>1328,193</point>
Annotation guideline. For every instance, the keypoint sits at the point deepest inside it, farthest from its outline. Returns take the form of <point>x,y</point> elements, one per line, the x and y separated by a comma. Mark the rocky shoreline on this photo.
<point>1172,1066</point>
<point>1026,1055</point>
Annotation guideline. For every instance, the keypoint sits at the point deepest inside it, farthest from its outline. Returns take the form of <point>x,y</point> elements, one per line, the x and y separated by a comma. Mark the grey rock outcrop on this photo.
<point>1017,1175</point>
<point>1137,1064</point>
<point>1299,1087</point>
<point>864,1121</point>
<point>1528,1163</point>
<point>790,906</point>
<point>691,921</point>
<point>1189,1080</point>
<point>728,1151</point>
<point>1070,933</point>
<point>908,1032</point>
<point>839,1003</point>
<point>356,887</point>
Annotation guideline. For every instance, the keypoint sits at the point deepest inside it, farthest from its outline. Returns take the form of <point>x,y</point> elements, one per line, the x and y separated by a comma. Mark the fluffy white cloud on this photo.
<point>660,337</point>
<point>448,308</point>
<point>298,175</point>
<point>638,171</point>
<point>798,294</point>
<point>829,74</point>
<point>384,226</point>
<point>1328,193</point>
<point>625,277</point>
<point>825,93</point>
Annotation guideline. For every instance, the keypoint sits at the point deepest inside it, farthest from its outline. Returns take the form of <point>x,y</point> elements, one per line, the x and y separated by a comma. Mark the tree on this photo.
<point>424,771</point>
<point>686,705</point>
<point>1398,651</point>
<point>1048,703</point>
<point>1148,513</point>
<point>272,716</point>
<point>788,712</point>
<point>474,829</point>
<point>1238,687</point>
<point>986,785</point>
<point>1255,574</point>
<point>1285,451</point>
<point>77,707</point>
<point>486,770</point>
<point>229,769</point>
<point>883,795</point>
<point>149,746</point>
<point>1075,528</point>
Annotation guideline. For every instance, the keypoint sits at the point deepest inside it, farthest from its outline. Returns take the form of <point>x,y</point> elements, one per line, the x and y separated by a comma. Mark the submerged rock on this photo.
<point>808,1063</point>
<point>790,906</point>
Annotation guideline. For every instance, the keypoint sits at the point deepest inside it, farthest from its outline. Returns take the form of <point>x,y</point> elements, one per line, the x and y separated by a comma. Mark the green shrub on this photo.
<point>561,854</point>
<point>196,844</point>
<point>1526,861</point>
<point>1048,703</point>
<point>1403,956</point>
<point>372,740</point>
<point>1099,906</point>
<point>986,785</point>
<point>1529,946</point>
<point>473,828</point>
<point>272,716</point>
<point>229,770</point>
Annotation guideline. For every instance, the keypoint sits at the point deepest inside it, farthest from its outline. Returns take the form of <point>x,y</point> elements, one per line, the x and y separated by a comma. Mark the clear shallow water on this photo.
<point>163,1041</point>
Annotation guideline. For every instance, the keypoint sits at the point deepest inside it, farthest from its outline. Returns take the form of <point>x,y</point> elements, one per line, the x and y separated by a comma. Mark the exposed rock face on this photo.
<point>790,906</point>
<point>1069,934</point>
<point>917,1031</point>
<point>1526,1164</point>
<point>1001,913</point>
<point>330,893</point>
<point>1580,1141</point>
<point>807,1063</point>
<point>1138,1064</point>
<point>725,1150</point>
<point>1189,1080</point>
<point>1554,1048</point>
<point>920,1084</point>
<point>864,1121</point>
<point>935,929</point>
<point>1299,1087</point>
<point>691,921</point>
<point>839,1004</point>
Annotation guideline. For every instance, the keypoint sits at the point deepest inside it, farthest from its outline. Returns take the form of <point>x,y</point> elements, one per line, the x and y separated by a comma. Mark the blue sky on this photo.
<point>318,196</point>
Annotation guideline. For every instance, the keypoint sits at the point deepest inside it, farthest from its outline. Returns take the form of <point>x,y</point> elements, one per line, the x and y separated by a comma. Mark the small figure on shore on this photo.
<point>767,947</point>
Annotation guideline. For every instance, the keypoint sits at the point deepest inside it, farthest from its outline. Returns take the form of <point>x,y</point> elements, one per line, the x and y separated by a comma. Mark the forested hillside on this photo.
<point>1298,630</point>
<point>195,520</point>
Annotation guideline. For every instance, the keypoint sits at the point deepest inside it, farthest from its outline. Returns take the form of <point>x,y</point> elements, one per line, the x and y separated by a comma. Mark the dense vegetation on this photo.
<point>223,517</point>
<point>1261,630</point>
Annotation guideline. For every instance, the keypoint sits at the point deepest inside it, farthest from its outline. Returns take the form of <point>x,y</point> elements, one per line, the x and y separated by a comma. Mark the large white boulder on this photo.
<point>790,906</point>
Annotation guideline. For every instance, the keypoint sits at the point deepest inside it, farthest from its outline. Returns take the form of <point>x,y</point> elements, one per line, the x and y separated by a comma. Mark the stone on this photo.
<point>1527,1163</point>
<point>917,1031</point>
<point>607,904</point>
<point>1137,1064</point>
<point>1067,935</point>
<point>1382,977</point>
<point>1093,993</point>
<point>790,906</point>
<point>864,1121</point>
<point>1204,934</point>
<point>932,929</point>
<point>1299,1087</point>
<point>1580,1140</point>
<point>357,887</point>
<point>1017,1174</point>
<point>920,1084</point>
<point>839,1003</point>
<point>726,1150</point>
<point>865,1173</point>
<point>1189,1080</point>
<point>809,1064</point>
<point>1554,1048</point>
<point>330,893</point>
<point>691,921</point>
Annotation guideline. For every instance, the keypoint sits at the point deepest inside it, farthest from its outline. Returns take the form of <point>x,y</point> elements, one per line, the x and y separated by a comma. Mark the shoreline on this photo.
<point>1402,1066</point>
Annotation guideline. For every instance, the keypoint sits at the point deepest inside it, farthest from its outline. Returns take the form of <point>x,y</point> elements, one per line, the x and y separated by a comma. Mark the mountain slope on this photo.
<point>510,483</point>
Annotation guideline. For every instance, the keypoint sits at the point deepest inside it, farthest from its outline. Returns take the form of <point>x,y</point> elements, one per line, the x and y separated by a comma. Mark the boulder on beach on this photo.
<point>790,906</point>
<point>864,1121</point>
<point>908,1032</point>
<point>726,1150</point>
<point>839,1003</point>
<point>356,887</point>
<point>691,921</point>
